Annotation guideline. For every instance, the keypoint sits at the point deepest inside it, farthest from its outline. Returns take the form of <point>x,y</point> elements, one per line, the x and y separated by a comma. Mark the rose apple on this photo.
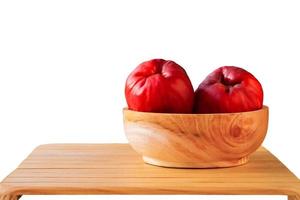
<point>228,89</point>
<point>159,86</point>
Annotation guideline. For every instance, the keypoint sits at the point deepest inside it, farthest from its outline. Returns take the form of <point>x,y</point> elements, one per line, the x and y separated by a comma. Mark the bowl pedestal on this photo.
<point>227,163</point>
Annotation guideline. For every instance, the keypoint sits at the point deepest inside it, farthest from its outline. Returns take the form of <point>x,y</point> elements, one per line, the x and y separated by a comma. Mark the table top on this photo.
<point>118,169</point>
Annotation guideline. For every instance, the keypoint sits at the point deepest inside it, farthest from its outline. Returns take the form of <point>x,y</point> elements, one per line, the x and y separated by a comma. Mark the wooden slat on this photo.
<point>145,172</point>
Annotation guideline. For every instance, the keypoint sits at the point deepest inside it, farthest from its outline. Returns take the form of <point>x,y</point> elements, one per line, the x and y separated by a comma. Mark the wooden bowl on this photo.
<point>196,140</point>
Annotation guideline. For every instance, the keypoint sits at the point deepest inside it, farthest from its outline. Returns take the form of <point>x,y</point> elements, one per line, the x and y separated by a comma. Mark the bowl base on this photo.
<point>218,164</point>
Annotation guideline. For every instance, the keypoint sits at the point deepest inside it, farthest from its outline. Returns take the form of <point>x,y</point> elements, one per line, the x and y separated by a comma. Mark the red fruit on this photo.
<point>159,86</point>
<point>228,89</point>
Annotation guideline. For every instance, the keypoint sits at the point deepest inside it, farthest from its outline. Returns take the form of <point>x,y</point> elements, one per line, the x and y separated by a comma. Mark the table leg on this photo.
<point>10,197</point>
<point>294,197</point>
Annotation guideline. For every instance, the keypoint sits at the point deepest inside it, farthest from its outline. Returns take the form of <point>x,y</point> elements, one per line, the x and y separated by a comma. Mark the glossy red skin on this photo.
<point>159,86</point>
<point>228,89</point>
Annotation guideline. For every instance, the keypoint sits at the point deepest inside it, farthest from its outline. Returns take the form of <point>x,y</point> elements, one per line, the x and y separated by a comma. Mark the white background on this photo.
<point>63,64</point>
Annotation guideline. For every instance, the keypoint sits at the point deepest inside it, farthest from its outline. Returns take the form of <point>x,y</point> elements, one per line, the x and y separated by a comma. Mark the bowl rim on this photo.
<point>264,107</point>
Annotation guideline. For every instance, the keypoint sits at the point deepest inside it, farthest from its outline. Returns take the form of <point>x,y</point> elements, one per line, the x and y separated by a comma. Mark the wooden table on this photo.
<point>117,169</point>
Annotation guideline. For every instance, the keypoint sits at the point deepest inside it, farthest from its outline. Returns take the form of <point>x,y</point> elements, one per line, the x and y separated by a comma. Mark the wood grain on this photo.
<point>118,169</point>
<point>196,140</point>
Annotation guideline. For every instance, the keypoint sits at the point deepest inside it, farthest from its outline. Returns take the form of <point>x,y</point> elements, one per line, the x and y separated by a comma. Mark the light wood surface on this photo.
<point>196,140</point>
<point>118,169</point>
